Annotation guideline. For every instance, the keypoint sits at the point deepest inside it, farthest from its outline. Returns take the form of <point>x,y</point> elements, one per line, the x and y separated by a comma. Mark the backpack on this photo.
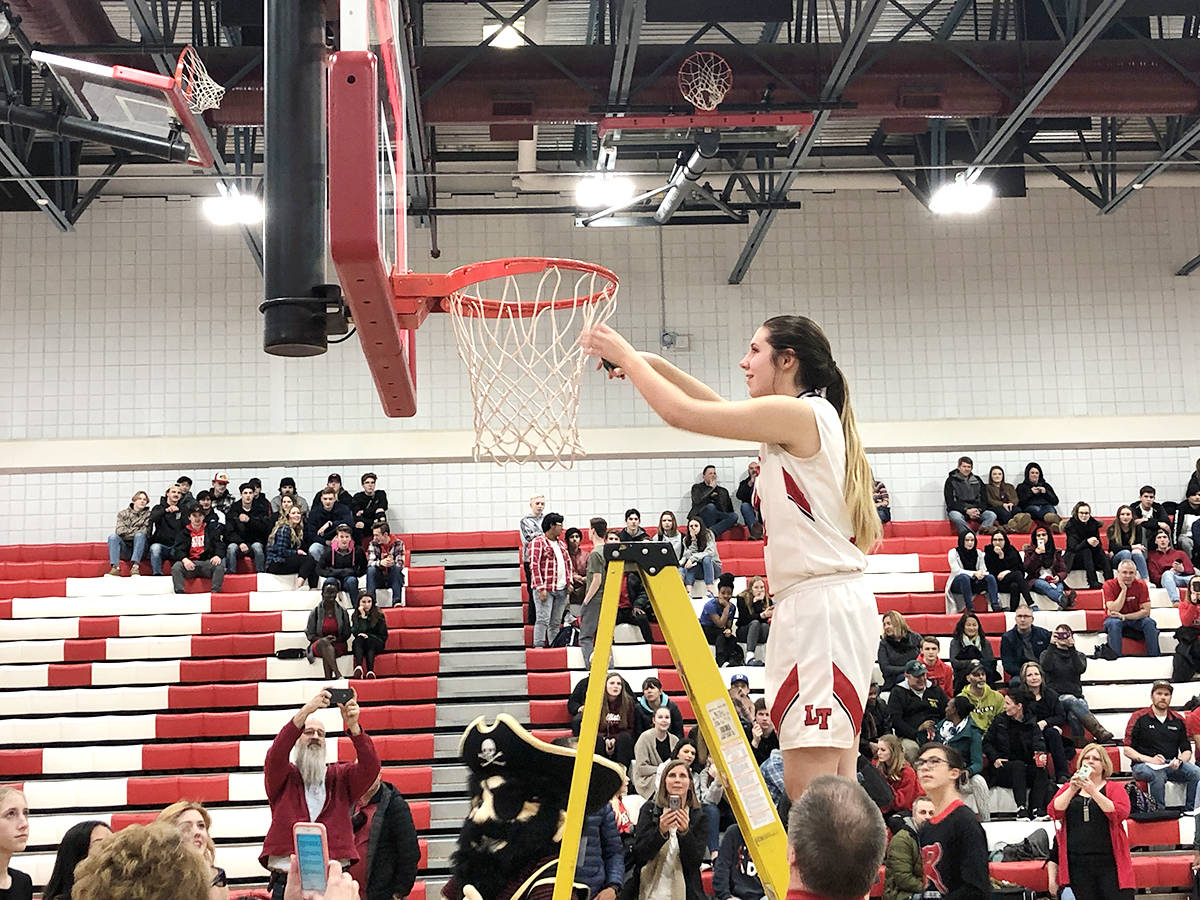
<point>568,636</point>
<point>1144,808</point>
<point>1036,846</point>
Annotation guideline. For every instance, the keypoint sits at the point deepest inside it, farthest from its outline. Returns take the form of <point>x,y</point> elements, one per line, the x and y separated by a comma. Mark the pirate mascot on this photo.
<point>509,842</point>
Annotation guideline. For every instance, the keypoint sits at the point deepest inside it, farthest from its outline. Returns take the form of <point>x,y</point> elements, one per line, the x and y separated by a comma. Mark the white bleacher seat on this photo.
<point>293,693</point>
<point>575,658</point>
<point>252,754</point>
<point>109,605</point>
<point>30,652</point>
<point>65,794</point>
<point>86,700</point>
<point>96,758</point>
<point>291,640</point>
<point>159,647</point>
<point>56,729</point>
<point>164,671</point>
<point>119,587</point>
<point>38,629</point>
<point>159,625</point>
<point>627,634</point>
<point>635,677</point>
<point>1145,669</point>
<point>631,656</point>
<point>27,676</point>
<point>274,601</point>
<point>48,830</point>
<point>295,619</point>
<point>1159,599</point>
<point>269,582</point>
<point>246,786</point>
<point>890,563</point>
<point>900,583</point>
<point>1165,616</point>
<point>1129,697</point>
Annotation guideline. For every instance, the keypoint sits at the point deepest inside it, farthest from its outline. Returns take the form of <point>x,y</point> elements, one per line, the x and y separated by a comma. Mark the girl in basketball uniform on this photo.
<point>814,494</point>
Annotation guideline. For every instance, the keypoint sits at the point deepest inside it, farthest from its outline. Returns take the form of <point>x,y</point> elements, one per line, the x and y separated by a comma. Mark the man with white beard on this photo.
<point>302,786</point>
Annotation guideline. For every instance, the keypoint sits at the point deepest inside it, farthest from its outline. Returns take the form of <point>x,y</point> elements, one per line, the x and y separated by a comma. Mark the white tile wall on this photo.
<point>145,323</point>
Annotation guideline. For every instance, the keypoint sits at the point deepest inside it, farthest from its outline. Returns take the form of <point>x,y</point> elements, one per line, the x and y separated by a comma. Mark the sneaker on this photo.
<point>1033,607</point>
<point>135,569</point>
<point>115,570</point>
<point>1023,814</point>
<point>358,672</point>
<point>1068,598</point>
<point>756,532</point>
<point>371,673</point>
<point>1190,812</point>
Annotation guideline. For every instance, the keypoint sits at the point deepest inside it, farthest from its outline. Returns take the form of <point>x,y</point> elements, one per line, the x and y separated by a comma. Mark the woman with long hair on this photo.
<point>706,781</point>
<point>14,835</point>
<point>898,646</point>
<point>286,553</point>
<point>1049,714</point>
<point>75,846</point>
<point>1016,755</point>
<point>1004,563</point>
<point>1089,813</point>
<point>899,775</point>
<point>669,533</point>
<point>615,737</point>
<point>195,827</point>
<point>1002,499</point>
<point>1124,541</point>
<point>699,558</point>
<point>969,646</point>
<point>953,843</point>
<point>815,492</point>
<point>1083,551</point>
<point>1045,571</point>
<point>370,631</point>
<point>754,612</point>
<point>969,576</point>
<point>668,842</point>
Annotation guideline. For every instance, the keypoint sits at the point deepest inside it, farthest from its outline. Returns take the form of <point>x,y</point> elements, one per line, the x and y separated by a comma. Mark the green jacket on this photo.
<point>904,871</point>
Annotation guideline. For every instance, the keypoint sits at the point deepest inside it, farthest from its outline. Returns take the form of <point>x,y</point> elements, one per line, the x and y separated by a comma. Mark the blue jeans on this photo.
<point>1046,589</point>
<point>715,520</point>
<point>1076,708</point>
<point>317,551</point>
<point>749,516</point>
<point>1156,780</point>
<point>349,584</point>
<point>987,518</point>
<point>704,567</point>
<point>159,552</point>
<point>1138,559</point>
<point>1038,510</point>
<point>967,586</point>
<point>1172,581</point>
<point>395,580</point>
<point>1146,627</point>
<point>712,818</point>
<point>549,616</point>
<point>116,544</point>
<point>885,513</point>
<point>232,554</point>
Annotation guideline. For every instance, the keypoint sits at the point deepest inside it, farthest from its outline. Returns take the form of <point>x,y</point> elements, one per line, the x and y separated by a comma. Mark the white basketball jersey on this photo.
<point>807,525</point>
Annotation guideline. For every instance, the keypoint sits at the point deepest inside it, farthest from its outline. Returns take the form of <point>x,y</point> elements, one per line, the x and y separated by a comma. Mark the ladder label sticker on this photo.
<point>722,720</point>
<point>740,766</point>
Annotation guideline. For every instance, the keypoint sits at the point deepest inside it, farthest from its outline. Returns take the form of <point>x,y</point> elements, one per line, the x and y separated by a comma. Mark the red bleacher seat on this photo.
<point>56,587</point>
<point>202,724</point>
<point>85,650</point>
<point>69,675</point>
<point>415,717</point>
<point>414,616</point>
<point>424,596</point>
<point>549,684</point>
<point>20,762</point>
<point>100,626</point>
<point>545,712</point>
<point>207,755</point>
<point>124,820</point>
<point>409,779</point>
<point>207,671</point>
<point>161,791</point>
<point>213,696</point>
<point>393,747</point>
<point>414,639</point>
<point>545,659</point>
<point>431,576</point>
<point>422,688</point>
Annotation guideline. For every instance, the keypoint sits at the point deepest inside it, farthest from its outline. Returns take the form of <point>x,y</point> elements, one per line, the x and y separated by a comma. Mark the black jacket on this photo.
<point>1062,667</point>
<point>343,498</point>
<point>702,495</point>
<point>165,526</point>
<point>894,655</point>
<point>1025,494</point>
<point>734,872</point>
<point>909,710</point>
<point>962,494</point>
<point>344,562</point>
<point>1049,709</point>
<point>1078,532</point>
<point>316,618</point>
<point>361,627</point>
<point>214,545</point>
<point>876,722</point>
<point>369,509</point>
<point>964,656</point>
<point>339,515</point>
<point>254,531</point>
<point>745,491</point>
<point>1008,738</point>
<point>648,840</point>
<point>643,715</point>
<point>1147,530</point>
<point>392,851</point>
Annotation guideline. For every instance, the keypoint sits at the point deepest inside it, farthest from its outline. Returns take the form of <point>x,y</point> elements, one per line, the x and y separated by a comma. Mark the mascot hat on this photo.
<point>504,746</point>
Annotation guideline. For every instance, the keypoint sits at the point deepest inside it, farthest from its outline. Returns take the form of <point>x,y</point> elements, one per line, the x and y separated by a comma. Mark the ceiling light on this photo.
<point>508,36</point>
<point>961,197</point>
<point>603,191</point>
<point>232,207</point>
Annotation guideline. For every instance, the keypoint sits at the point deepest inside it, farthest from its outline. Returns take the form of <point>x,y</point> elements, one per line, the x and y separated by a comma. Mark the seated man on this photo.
<point>334,483</point>
<point>745,496</point>
<point>345,564</point>
<point>633,530</point>
<point>262,505</point>
<point>186,500</point>
<point>219,493</point>
<point>916,706</point>
<point>369,507</point>
<point>198,551</point>
<point>763,737</point>
<point>129,537</point>
<point>287,488</point>
<point>1024,642</point>
<point>966,498</point>
<point>168,519</point>
<point>836,841</point>
<point>385,565</point>
<point>246,532</point>
<point>211,514</point>
<point>324,518</point>
<point>1156,742</point>
<point>1149,517</point>
<point>1127,603</point>
<point>1169,568</point>
<point>711,503</point>
<point>938,669</point>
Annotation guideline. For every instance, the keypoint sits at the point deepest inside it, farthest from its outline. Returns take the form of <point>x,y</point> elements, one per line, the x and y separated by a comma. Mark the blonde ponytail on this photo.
<point>859,492</point>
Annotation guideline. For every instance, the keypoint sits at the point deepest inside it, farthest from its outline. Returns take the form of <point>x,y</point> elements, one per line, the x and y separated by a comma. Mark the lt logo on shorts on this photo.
<point>818,716</point>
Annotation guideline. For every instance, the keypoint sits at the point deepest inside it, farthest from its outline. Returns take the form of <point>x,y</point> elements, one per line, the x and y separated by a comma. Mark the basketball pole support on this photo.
<point>723,734</point>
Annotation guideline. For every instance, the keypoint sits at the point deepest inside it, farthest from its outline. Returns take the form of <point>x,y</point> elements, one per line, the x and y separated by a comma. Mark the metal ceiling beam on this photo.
<point>29,184</point>
<point>1175,151</point>
<point>843,70</point>
<point>1105,11</point>
<point>631,16</point>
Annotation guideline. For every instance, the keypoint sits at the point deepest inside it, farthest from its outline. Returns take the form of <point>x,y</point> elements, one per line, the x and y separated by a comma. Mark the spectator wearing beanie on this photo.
<point>287,488</point>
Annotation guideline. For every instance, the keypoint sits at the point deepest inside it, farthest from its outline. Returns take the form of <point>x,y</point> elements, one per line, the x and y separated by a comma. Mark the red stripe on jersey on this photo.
<point>844,693</point>
<point>789,693</point>
<point>796,495</point>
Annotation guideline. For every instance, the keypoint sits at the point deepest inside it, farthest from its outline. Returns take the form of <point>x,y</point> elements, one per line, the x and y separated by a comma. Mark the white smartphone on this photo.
<point>312,855</point>
<point>1085,771</point>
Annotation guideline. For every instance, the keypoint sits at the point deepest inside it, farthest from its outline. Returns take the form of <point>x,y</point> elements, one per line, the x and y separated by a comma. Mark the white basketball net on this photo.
<point>198,88</point>
<point>525,370</point>
<point>704,80</point>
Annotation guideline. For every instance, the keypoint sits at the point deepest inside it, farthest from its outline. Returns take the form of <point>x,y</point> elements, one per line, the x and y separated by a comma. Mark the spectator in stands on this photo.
<point>369,507</point>
<point>168,520</point>
<point>883,502</point>
<point>615,737</point>
<point>959,731</point>
<point>195,826</point>
<point>528,529</point>
<point>245,532</point>
<point>706,781</point>
<point>1149,516</point>
<point>222,500</point>
<point>261,504</point>
<point>1124,541</point>
<point>652,748</point>
<point>285,550</point>
<point>1001,499</point>
<point>953,844</point>
<point>668,532</point>
<point>142,862</point>
<point>1004,563</point>
<point>1024,642</point>
<point>1127,603</point>
<point>916,706</point>
<point>334,483</point>
<point>969,576</point>
<point>186,500</point>
<point>198,551</point>
<point>328,630</point>
<point>1083,545</point>
<point>711,503</point>
<point>735,876</point>
<point>324,518</point>
<point>1157,744</point>
<point>77,844</point>
<point>966,498</point>
<point>650,701</point>
<point>718,621</point>
<point>1093,846</point>
<point>1014,746</point>
<point>548,567</point>
<point>211,515</point>
<point>669,843</point>
<point>577,563</point>
<point>385,564</point>
<point>597,569</point>
<point>763,737</point>
<point>969,646</point>
<point>14,835</point>
<point>936,669</point>
<point>739,694</point>
<point>898,646</point>
<point>1036,497</point>
<point>904,870</point>
<point>303,787</point>
<point>345,564</point>
<point>370,631</point>
<point>700,557</point>
<point>633,530</point>
<point>1187,523</point>
<point>1045,570</point>
<point>129,536</point>
<point>745,496</point>
<point>386,842</point>
<point>876,722</point>
<point>1062,666</point>
<point>892,764</point>
<point>754,612</point>
<point>1186,661</point>
<point>836,841</point>
<point>287,488</point>
<point>601,864</point>
<point>1169,568</point>
<point>1047,711</point>
<point>986,701</point>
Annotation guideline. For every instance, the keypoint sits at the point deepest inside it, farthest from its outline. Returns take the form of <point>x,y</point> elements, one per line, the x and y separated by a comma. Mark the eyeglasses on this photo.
<point>928,762</point>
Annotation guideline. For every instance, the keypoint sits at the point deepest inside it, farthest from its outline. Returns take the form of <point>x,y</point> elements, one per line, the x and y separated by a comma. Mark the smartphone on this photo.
<point>1085,771</point>
<point>312,855</point>
<point>673,803</point>
<point>340,696</point>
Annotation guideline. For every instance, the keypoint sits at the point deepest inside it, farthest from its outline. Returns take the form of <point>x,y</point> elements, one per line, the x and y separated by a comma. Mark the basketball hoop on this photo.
<point>200,91</point>
<point>522,352</point>
<point>704,80</point>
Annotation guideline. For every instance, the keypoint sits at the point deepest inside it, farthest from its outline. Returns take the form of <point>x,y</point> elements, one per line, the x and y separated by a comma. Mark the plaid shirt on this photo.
<point>544,567</point>
<point>394,548</point>
<point>881,493</point>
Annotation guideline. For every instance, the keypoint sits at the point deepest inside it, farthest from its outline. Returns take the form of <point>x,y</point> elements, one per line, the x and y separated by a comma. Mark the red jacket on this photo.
<point>345,783</point>
<point>543,567</point>
<point>906,789</point>
<point>1116,833</point>
<point>1158,562</point>
<point>942,675</point>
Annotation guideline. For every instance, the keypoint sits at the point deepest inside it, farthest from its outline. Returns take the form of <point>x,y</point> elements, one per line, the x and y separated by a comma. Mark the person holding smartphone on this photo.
<point>303,787</point>
<point>669,839</point>
<point>1089,814</point>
